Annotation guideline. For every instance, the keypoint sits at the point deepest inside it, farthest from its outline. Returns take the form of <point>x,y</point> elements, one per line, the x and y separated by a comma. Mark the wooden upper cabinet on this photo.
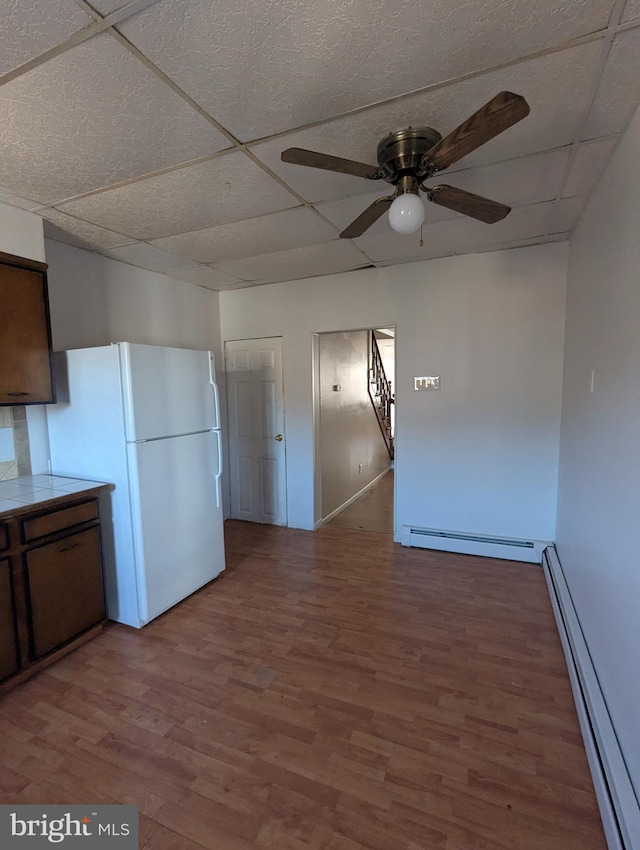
<point>25,333</point>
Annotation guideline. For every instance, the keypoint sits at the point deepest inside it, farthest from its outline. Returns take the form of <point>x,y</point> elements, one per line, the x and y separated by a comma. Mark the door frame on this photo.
<point>315,394</point>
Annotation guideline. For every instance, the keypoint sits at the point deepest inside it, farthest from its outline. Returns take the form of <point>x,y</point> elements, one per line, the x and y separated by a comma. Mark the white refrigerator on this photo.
<point>147,419</point>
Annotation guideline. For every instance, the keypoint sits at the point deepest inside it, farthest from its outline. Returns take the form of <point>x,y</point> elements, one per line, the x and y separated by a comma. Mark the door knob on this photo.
<point>279,438</point>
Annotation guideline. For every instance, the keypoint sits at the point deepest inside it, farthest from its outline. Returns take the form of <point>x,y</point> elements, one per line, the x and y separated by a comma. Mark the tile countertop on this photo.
<point>20,495</point>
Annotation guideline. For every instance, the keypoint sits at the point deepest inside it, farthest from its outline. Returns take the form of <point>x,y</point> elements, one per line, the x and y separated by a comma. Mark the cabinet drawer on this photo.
<point>4,537</point>
<point>40,526</point>
<point>65,589</point>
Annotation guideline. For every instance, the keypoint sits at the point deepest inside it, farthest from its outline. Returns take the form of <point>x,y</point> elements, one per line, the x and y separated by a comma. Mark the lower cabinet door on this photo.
<point>65,589</point>
<point>8,640</point>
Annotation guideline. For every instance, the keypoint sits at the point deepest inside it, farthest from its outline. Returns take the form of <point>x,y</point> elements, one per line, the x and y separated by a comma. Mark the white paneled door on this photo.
<point>257,444</point>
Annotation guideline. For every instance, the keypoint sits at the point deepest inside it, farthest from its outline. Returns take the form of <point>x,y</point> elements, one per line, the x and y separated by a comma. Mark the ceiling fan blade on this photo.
<point>313,159</point>
<point>468,204</point>
<point>367,218</point>
<point>503,111</point>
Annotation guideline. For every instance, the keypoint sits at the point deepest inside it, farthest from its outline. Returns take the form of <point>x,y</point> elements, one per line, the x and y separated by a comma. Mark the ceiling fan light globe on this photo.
<point>406,213</point>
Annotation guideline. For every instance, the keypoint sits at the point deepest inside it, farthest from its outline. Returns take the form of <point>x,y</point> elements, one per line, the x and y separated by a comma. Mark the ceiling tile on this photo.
<point>80,234</point>
<point>344,211</point>
<point>588,166</point>
<point>482,249</point>
<point>427,252</point>
<point>96,115</point>
<point>106,7</point>
<point>565,215</point>
<point>458,235</point>
<point>243,284</point>
<point>275,232</point>
<point>439,239</point>
<point>206,276</point>
<point>228,188</point>
<point>30,27</point>
<point>515,182</point>
<point>521,223</point>
<point>16,201</point>
<point>148,257</point>
<point>262,68</point>
<point>329,258</point>
<point>93,116</point>
<point>556,87</point>
<point>619,91</point>
<point>504,246</point>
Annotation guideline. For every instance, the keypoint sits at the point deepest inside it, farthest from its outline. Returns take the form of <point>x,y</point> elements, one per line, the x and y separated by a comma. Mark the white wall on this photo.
<point>95,301</point>
<point>598,534</point>
<point>481,454</point>
<point>21,233</point>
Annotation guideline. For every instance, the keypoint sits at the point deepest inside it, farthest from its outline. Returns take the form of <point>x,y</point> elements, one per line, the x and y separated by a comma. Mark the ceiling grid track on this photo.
<point>108,23</point>
<point>612,30</point>
<point>599,28</point>
<point>100,24</point>
<point>103,24</point>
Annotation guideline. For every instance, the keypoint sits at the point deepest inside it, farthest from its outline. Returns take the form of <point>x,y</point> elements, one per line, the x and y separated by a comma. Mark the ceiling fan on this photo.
<point>406,158</point>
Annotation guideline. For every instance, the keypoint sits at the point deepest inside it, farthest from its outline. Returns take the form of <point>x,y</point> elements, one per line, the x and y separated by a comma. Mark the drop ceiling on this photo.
<point>151,131</point>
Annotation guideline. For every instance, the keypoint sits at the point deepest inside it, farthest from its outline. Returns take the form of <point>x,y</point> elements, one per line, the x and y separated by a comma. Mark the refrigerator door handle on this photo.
<point>216,394</point>
<point>219,472</point>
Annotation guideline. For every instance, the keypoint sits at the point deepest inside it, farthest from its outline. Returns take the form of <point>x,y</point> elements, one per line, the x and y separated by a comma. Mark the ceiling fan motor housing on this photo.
<point>401,152</point>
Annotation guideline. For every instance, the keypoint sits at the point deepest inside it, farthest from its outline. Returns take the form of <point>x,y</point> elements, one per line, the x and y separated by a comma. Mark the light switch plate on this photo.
<point>426,382</point>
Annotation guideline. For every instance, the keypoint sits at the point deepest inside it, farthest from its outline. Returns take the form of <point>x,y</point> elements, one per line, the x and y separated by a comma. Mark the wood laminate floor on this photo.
<point>373,511</point>
<point>331,691</point>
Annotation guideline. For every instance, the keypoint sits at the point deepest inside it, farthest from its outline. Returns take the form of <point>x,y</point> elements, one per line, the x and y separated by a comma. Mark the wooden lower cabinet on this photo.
<point>9,660</point>
<point>65,595</point>
<point>51,586</point>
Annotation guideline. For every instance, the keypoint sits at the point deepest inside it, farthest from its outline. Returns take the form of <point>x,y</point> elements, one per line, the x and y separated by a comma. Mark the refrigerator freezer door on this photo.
<point>167,391</point>
<point>178,534</point>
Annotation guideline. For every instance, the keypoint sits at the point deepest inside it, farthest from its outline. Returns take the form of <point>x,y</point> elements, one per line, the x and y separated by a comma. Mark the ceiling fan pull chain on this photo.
<point>421,243</point>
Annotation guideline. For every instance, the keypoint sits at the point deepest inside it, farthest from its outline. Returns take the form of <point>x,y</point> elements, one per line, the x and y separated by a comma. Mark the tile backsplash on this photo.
<point>15,458</point>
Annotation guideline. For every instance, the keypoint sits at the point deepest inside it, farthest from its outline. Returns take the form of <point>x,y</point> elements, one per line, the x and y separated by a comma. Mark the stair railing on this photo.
<point>380,393</point>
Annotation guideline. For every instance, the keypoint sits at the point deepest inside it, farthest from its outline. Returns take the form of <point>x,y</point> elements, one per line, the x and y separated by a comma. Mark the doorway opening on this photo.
<point>355,428</point>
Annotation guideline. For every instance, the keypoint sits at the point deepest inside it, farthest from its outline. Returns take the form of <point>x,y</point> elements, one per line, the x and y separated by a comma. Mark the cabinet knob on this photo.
<point>278,438</point>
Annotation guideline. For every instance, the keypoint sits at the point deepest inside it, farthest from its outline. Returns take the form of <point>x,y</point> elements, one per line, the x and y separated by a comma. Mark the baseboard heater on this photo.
<point>511,549</point>
<point>619,806</point>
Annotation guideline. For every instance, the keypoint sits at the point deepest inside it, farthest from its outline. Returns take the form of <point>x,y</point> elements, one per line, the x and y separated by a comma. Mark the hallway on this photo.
<point>373,511</point>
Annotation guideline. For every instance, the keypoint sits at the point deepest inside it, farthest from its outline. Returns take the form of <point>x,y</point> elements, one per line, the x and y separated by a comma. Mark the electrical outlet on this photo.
<point>426,382</point>
<point>359,467</point>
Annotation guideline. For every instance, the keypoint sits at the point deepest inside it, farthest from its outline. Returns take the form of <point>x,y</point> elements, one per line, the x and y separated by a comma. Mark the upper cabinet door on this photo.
<point>25,333</point>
